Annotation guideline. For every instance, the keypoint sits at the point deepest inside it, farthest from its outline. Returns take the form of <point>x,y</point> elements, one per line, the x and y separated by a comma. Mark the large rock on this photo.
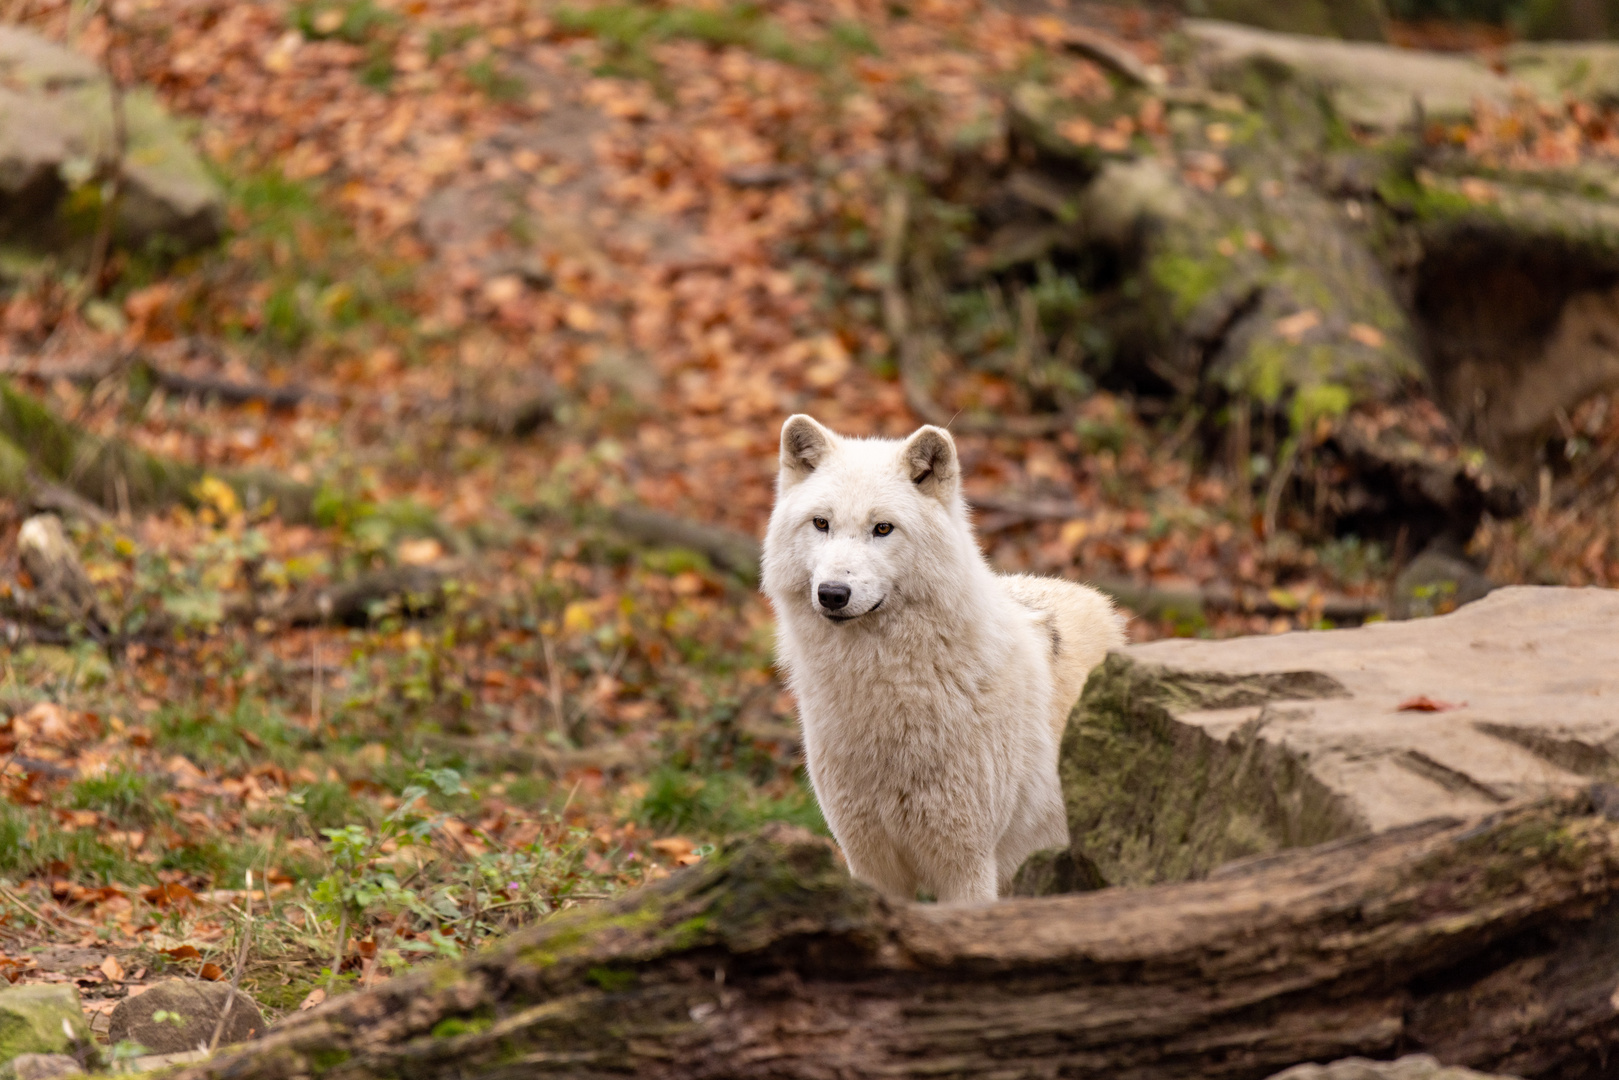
<point>190,1011</point>
<point>56,131</point>
<point>1183,755</point>
<point>1360,20</point>
<point>42,1019</point>
<point>1370,85</point>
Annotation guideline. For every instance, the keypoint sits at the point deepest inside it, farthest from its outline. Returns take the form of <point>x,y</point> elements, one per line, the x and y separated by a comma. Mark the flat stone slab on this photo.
<point>1185,754</point>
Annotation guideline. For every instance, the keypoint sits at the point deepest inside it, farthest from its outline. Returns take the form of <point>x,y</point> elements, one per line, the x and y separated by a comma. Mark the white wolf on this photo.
<point>932,691</point>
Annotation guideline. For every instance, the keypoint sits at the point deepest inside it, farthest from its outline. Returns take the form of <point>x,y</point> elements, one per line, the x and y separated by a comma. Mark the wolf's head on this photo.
<point>864,524</point>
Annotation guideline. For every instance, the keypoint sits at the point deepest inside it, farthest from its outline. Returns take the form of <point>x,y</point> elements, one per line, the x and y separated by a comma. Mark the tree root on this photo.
<point>766,960</point>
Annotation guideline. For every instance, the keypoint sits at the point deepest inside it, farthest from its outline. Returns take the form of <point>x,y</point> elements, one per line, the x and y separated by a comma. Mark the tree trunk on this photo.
<point>1492,943</point>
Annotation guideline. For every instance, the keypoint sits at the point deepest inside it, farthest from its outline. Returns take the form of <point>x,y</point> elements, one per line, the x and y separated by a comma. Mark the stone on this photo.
<point>40,1067</point>
<point>189,1011</point>
<point>1370,85</point>
<point>59,578</point>
<point>56,128</point>
<point>1585,70</point>
<point>1438,581</point>
<point>1056,871</point>
<point>1184,755</point>
<point>1357,20</point>
<point>1410,1067</point>
<point>42,1018</point>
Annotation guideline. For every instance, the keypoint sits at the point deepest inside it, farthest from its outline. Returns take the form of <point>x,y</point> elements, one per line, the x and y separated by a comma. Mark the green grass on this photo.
<point>329,805</point>
<point>318,279</point>
<point>251,733</point>
<point>629,30</point>
<point>125,796</point>
<point>32,843</point>
<point>723,803</point>
<point>356,21</point>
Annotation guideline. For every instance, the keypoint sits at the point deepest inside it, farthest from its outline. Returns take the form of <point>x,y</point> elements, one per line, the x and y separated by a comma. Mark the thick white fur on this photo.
<point>931,716</point>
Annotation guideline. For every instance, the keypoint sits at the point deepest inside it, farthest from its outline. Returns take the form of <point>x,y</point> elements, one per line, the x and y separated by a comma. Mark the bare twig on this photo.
<point>113,187</point>
<point>1001,513</point>
<point>315,682</point>
<point>342,939</point>
<point>241,962</point>
<point>1156,602</point>
<point>1111,55</point>
<point>553,680</point>
<point>1278,484</point>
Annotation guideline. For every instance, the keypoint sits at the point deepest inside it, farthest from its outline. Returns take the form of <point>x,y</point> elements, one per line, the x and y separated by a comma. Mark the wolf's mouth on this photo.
<point>851,618</point>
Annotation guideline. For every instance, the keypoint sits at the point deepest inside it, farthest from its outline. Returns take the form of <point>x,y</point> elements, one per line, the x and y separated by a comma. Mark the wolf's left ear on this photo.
<point>929,459</point>
<point>805,444</point>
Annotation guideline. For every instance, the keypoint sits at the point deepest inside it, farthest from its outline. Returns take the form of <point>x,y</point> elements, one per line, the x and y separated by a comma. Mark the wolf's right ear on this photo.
<point>805,444</point>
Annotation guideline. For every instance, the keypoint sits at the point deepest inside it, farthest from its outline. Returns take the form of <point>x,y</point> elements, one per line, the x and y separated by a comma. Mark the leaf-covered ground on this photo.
<point>664,223</point>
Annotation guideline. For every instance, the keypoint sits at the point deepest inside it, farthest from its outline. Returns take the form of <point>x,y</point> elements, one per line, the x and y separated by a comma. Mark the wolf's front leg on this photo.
<point>877,862</point>
<point>966,878</point>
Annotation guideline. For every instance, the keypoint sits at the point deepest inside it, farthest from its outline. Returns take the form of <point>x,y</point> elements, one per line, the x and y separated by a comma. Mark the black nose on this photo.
<point>833,596</point>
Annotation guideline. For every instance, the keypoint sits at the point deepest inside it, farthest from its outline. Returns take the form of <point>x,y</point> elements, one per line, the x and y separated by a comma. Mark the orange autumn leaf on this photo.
<point>168,894</point>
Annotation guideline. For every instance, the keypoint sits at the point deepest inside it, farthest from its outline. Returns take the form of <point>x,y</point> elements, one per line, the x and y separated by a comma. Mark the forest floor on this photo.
<point>662,222</point>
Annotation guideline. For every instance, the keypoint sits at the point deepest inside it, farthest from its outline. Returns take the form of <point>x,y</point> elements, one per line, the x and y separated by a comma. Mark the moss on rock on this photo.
<point>1150,799</point>
<point>42,1019</point>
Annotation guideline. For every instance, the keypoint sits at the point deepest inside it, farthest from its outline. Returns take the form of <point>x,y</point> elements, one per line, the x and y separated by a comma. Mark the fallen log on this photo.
<point>1492,942</point>
<point>37,445</point>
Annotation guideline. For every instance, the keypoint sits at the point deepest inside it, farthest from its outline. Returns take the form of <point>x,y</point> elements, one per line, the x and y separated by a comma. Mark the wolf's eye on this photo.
<point>883,528</point>
<point>821,525</point>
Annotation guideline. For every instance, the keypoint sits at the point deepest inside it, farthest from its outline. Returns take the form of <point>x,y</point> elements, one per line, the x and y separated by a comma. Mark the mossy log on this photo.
<point>38,445</point>
<point>1492,943</point>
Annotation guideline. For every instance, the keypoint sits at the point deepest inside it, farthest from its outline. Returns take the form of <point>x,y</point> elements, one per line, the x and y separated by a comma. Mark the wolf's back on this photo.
<point>1081,625</point>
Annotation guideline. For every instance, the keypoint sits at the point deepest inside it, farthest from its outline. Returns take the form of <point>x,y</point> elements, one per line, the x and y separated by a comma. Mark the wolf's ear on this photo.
<point>929,460</point>
<point>805,444</point>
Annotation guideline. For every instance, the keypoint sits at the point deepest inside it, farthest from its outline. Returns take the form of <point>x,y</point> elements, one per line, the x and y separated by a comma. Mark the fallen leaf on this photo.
<point>1294,327</point>
<point>212,972</point>
<point>673,845</point>
<point>1477,191</point>
<point>168,895</point>
<point>183,952</point>
<point>112,969</point>
<point>1369,336</point>
<point>1424,703</point>
<point>422,551</point>
<point>1078,130</point>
